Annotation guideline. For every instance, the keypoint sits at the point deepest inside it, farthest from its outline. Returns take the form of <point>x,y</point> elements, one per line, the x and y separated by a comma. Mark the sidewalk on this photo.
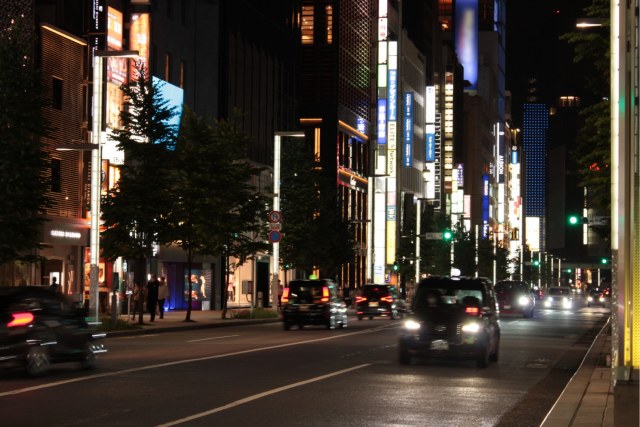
<point>175,320</point>
<point>588,399</point>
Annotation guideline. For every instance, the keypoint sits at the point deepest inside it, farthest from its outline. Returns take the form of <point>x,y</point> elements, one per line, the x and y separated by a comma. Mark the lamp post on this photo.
<point>275,264</point>
<point>96,169</point>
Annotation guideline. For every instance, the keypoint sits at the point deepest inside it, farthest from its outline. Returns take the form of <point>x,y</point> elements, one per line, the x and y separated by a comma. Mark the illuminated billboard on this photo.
<point>467,39</point>
<point>174,96</point>
<point>407,152</point>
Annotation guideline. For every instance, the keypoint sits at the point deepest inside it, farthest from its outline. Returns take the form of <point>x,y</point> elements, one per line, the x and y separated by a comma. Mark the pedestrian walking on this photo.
<point>152,296</point>
<point>163,294</point>
<point>137,298</point>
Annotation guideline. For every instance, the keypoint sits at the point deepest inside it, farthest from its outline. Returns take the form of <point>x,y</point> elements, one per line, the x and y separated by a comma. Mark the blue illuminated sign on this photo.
<point>407,159</point>
<point>382,121</point>
<point>392,112</point>
<point>431,147</point>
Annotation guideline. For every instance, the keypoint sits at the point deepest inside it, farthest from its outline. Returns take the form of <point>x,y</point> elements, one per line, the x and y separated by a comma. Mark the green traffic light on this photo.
<point>395,266</point>
<point>447,235</point>
<point>574,220</point>
<point>536,263</point>
<point>604,261</point>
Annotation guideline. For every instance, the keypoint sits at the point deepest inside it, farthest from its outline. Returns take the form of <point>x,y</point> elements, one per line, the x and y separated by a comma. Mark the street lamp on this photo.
<point>96,169</point>
<point>275,265</point>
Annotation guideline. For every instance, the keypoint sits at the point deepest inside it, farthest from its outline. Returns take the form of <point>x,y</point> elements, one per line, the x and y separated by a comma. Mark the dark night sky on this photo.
<point>534,49</point>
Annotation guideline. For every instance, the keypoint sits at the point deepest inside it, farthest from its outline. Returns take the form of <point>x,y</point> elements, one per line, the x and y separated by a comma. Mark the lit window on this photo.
<point>329,10</point>
<point>307,24</point>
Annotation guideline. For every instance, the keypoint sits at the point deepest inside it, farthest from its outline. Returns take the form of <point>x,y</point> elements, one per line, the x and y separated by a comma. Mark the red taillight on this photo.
<point>472,310</point>
<point>387,299</point>
<point>325,294</point>
<point>361,299</point>
<point>20,319</point>
<point>285,296</point>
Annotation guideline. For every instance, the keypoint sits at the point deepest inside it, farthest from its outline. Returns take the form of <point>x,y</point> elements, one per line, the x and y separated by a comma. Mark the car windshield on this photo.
<point>559,291</point>
<point>375,291</point>
<point>511,286</point>
<point>445,296</point>
<point>305,292</point>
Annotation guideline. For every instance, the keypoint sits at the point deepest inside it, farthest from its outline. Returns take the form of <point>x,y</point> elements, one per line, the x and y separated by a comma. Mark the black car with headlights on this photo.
<point>515,297</point>
<point>452,317</point>
<point>313,302</point>
<point>39,326</point>
<point>379,300</point>
<point>597,297</point>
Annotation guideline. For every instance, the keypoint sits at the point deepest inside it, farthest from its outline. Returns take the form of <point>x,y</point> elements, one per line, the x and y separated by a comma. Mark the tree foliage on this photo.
<point>137,209</point>
<point>24,177</point>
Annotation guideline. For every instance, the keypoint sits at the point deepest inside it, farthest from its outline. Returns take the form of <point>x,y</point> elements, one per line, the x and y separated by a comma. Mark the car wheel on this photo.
<point>89,357</point>
<point>286,326</point>
<point>527,314</point>
<point>482,360</point>
<point>404,358</point>
<point>301,325</point>
<point>38,361</point>
<point>359,317</point>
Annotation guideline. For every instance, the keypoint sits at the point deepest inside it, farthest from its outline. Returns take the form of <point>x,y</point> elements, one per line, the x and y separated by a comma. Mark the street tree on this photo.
<point>218,209</point>
<point>136,210</point>
<point>24,178</point>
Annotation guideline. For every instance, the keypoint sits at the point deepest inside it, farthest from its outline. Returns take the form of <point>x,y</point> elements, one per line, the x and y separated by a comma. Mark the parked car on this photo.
<point>39,326</point>
<point>597,297</point>
<point>313,302</point>
<point>515,297</point>
<point>559,297</point>
<point>452,317</point>
<point>379,300</point>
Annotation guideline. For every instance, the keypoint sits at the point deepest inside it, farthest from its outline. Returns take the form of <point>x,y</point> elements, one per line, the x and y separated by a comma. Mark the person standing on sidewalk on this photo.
<point>163,294</point>
<point>152,296</point>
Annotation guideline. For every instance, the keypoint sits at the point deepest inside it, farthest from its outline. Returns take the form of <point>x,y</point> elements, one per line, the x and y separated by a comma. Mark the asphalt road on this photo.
<point>261,375</point>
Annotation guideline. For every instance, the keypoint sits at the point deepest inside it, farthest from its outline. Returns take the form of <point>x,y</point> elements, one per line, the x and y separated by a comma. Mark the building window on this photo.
<point>329,11</point>
<point>55,176</point>
<point>56,95</point>
<point>307,24</point>
<point>183,72</point>
<point>167,67</point>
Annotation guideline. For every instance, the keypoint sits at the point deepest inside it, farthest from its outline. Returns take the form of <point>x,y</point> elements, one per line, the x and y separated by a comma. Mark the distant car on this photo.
<point>452,318</point>
<point>515,297</point>
<point>379,300</point>
<point>39,327</point>
<point>559,297</point>
<point>313,302</point>
<point>597,297</point>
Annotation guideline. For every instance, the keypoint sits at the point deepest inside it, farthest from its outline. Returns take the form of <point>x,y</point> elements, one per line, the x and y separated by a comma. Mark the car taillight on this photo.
<point>20,319</point>
<point>325,294</point>
<point>472,311</point>
<point>285,296</point>
<point>387,299</point>
<point>361,299</point>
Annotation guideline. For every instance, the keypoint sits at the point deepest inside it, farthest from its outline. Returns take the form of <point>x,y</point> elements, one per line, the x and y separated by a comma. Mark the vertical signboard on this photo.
<point>139,40</point>
<point>407,152</point>
<point>430,120</point>
<point>467,39</point>
<point>382,121</point>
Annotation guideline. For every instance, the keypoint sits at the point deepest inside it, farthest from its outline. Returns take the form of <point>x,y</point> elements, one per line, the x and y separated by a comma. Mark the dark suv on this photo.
<point>452,317</point>
<point>379,300</point>
<point>39,326</point>
<point>515,297</point>
<point>313,302</point>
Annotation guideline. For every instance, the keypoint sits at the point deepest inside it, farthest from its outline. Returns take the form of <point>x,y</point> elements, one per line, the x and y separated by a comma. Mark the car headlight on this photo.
<point>411,325</point>
<point>548,302</point>
<point>590,299</point>
<point>523,300</point>
<point>471,328</point>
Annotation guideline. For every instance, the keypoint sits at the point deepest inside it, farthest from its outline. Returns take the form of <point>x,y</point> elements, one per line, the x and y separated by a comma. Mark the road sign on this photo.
<point>275,236</point>
<point>275,226</point>
<point>275,216</point>
<point>433,236</point>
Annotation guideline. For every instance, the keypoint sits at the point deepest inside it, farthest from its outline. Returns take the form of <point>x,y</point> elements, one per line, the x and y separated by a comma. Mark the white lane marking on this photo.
<point>213,338</point>
<point>260,396</point>
<point>139,336</point>
<point>178,362</point>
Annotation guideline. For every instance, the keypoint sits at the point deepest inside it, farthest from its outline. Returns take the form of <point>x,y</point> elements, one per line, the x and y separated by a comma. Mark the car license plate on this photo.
<point>303,307</point>
<point>439,345</point>
<point>507,307</point>
<point>373,304</point>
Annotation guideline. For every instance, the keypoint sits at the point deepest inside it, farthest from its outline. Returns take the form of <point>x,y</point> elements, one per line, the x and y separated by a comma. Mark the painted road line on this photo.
<point>213,338</point>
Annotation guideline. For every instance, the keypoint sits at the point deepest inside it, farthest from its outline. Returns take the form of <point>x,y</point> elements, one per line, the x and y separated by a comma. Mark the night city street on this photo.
<point>262,375</point>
